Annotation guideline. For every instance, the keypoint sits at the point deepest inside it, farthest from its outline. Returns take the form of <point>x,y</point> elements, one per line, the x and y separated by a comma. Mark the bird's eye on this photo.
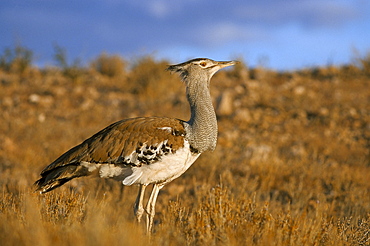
<point>203,64</point>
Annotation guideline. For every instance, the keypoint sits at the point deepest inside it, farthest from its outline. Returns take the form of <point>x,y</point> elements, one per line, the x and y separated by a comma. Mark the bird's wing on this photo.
<point>134,142</point>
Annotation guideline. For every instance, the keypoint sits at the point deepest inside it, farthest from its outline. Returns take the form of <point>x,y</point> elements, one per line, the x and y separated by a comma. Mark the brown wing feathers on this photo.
<point>133,142</point>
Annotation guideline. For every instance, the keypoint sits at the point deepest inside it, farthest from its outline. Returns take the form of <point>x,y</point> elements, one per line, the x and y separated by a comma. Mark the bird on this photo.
<point>146,150</point>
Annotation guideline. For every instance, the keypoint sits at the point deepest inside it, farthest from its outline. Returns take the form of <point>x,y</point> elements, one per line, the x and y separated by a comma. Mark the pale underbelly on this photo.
<point>168,168</point>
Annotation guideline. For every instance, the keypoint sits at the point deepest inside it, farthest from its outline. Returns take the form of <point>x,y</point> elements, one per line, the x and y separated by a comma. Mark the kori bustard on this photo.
<point>150,150</point>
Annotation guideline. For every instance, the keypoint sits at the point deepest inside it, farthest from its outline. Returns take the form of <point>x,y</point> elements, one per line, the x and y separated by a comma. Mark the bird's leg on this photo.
<point>139,208</point>
<point>150,207</point>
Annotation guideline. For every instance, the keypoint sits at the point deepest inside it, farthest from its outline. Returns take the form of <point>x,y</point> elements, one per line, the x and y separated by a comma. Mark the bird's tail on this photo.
<point>57,176</point>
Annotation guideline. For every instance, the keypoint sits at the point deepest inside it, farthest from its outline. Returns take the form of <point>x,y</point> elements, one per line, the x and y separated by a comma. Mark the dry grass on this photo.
<point>292,165</point>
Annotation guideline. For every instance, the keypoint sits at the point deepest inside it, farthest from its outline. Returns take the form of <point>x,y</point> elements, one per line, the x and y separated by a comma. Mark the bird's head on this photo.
<point>201,67</point>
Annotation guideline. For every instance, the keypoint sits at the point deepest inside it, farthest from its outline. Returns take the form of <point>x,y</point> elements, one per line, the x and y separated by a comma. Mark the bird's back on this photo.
<point>128,144</point>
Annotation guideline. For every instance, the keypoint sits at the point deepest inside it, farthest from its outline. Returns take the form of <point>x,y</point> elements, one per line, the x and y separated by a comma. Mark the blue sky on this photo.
<point>279,34</point>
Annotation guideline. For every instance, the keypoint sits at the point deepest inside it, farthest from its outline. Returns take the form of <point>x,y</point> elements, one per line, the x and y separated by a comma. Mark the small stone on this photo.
<point>243,114</point>
<point>34,98</point>
<point>225,104</point>
<point>299,90</point>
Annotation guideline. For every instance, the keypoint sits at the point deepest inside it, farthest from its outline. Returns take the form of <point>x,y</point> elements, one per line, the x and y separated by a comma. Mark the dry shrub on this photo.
<point>149,78</point>
<point>109,65</point>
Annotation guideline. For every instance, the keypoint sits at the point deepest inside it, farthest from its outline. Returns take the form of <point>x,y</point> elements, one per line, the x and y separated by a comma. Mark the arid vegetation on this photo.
<point>292,166</point>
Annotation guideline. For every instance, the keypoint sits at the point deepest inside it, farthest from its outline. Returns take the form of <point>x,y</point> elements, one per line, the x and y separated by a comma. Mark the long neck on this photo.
<point>202,131</point>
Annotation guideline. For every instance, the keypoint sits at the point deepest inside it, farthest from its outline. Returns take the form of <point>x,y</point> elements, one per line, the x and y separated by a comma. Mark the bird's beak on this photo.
<point>223,64</point>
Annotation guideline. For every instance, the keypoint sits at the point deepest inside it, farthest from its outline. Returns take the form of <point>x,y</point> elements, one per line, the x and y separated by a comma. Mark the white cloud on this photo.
<point>221,33</point>
<point>318,13</point>
<point>159,8</point>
